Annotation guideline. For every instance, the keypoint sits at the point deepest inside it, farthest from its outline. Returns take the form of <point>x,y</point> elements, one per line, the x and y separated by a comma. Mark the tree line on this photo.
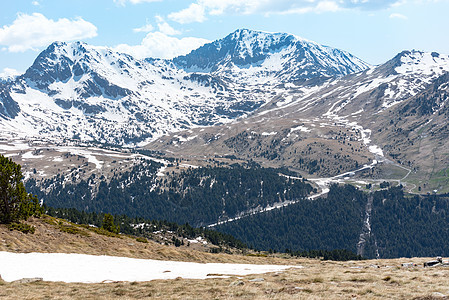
<point>402,225</point>
<point>143,227</point>
<point>196,196</point>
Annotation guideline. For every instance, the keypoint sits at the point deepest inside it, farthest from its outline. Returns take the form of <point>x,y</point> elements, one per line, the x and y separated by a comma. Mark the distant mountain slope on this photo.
<point>256,55</point>
<point>396,111</point>
<point>87,93</point>
<point>399,225</point>
<point>272,97</point>
<point>76,91</point>
<point>198,196</point>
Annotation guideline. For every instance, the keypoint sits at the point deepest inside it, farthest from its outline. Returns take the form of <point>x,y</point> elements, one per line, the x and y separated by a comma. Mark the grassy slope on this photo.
<point>49,238</point>
<point>317,280</point>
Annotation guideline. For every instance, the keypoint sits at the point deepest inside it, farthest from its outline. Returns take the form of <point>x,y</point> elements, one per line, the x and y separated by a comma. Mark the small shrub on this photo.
<point>50,221</point>
<point>215,250</point>
<point>177,242</point>
<point>103,231</point>
<point>142,240</point>
<point>257,254</point>
<point>72,230</point>
<point>25,228</point>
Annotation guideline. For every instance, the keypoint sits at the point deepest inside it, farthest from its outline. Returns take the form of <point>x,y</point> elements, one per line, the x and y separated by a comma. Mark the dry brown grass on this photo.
<point>52,237</point>
<point>375,279</point>
<point>317,280</point>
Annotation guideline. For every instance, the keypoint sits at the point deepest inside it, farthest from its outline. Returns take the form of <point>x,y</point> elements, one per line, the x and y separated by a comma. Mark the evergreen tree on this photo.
<point>108,224</point>
<point>15,203</point>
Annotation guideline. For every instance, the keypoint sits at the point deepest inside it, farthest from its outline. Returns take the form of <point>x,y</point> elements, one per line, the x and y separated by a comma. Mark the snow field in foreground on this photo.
<point>92,269</point>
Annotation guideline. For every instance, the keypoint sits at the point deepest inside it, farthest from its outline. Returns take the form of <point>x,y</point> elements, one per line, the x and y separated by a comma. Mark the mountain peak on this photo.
<point>251,43</point>
<point>245,33</point>
<point>73,50</point>
<point>275,54</point>
<point>61,61</point>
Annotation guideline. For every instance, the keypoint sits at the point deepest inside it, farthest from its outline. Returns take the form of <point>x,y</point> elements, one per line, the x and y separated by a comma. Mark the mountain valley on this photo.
<point>238,127</point>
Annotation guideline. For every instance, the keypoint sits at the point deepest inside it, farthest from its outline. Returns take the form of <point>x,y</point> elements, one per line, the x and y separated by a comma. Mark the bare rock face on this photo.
<point>28,280</point>
<point>8,107</point>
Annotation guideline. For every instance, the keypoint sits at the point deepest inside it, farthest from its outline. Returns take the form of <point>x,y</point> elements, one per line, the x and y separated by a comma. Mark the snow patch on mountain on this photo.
<point>429,64</point>
<point>95,269</point>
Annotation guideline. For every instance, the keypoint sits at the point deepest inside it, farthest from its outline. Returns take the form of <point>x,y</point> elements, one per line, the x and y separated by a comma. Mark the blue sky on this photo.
<point>373,30</point>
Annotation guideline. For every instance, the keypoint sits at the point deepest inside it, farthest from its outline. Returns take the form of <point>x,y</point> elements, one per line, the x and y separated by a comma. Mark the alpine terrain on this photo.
<point>250,131</point>
<point>77,91</point>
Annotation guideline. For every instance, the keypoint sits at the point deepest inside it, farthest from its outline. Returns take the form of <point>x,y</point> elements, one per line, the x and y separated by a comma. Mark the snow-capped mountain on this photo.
<point>396,111</point>
<point>92,93</point>
<point>380,88</point>
<point>267,56</point>
<point>77,91</point>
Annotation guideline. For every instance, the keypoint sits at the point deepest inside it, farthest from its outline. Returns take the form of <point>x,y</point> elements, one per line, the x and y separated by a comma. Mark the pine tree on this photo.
<point>108,224</point>
<point>15,203</point>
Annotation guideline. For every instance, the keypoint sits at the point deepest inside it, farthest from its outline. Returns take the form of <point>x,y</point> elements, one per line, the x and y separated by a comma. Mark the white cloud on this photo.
<point>123,2</point>
<point>35,3</point>
<point>29,32</point>
<point>399,3</point>
<point>194,13</point>
<point>9,73</point>
<point>165,28</point>
<point>320,7</point>
<point>145,28</point>
<point>160,45</point>
<point>325,6</point>
<point>200,9</point>
<point>162,26</point>
<point>398,16</point>
<point>237,6</point>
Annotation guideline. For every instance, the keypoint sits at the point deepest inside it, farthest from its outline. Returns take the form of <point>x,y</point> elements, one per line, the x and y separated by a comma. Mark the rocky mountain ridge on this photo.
<point>260,56</point>
<point>77,91</point>
<point>270,97</point>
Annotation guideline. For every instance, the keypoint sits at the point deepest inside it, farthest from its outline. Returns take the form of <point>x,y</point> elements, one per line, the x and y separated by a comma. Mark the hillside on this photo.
<point>316,279</point>
<point>199,196</point>
<point>59,236</point>
<point>384,224</point>
<point>361,215</point>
